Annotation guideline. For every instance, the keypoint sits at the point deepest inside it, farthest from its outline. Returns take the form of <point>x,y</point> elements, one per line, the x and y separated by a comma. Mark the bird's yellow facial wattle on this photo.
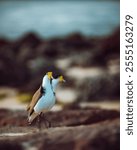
<point>61,79</point>
<point>49,75</point>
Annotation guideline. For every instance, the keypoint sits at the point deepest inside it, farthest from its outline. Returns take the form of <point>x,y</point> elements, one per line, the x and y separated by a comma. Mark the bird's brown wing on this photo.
<point>34,100</point>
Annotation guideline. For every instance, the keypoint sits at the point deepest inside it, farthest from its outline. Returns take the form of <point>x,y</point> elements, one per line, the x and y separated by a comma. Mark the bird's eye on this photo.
<point>56,76</point>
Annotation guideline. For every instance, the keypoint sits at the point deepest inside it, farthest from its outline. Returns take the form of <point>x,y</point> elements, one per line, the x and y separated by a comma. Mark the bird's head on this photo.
<point>61,79</point>
<point>49,74</point>
<point>56,80</point>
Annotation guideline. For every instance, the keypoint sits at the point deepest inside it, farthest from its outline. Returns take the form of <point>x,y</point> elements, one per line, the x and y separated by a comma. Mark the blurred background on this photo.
<point>77,39</point>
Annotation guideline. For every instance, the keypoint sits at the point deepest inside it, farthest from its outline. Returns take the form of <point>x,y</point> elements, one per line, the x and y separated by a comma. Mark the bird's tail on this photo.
<point>32,117</point>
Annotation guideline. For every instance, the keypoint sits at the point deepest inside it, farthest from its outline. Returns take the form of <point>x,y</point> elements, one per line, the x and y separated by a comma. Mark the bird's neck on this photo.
<point>46,83</point>
<point>54,84</point>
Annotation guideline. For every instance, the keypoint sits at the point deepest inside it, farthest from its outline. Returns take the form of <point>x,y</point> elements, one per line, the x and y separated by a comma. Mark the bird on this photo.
<point>44,98</point>
<point>55,81</point>
<point>36,105</point>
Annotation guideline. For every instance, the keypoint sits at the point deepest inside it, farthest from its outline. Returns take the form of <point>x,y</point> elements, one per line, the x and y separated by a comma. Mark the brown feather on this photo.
<point>34,100</point>
<point>32,117</point>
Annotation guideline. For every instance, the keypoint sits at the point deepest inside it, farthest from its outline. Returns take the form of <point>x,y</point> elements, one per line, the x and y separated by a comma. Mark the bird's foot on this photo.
<point>42,121</point>
<point>29,123</point>
<point>48,123</point>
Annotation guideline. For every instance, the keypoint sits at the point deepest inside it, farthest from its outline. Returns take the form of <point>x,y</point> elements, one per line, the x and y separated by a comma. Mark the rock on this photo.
<point>77,129</point>
<point>100,136</point>
<point>24,61</point>
<point>4,145</point>
<point>61,118</point>
<point>103,136</point>
<point>103,87</point>
<point>77,41</point>
<point>4,42</point>
<point>51,51</point>
<point>28,40</point>
<point>108,49</point>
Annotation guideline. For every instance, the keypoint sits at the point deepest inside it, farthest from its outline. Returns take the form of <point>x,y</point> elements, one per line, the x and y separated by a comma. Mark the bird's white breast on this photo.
<point>46,102</point>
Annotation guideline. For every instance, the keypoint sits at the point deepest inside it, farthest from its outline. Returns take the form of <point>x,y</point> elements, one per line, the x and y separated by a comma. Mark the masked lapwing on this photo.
<point>55,82</point>
<point>43,99</point>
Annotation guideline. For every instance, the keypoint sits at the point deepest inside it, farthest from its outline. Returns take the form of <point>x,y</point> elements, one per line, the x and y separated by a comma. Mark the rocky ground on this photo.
<point>71,129</point>
<point>90,63</point>
<point>90,66</point>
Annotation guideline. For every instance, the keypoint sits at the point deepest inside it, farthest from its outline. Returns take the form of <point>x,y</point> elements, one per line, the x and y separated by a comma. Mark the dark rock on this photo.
<point>100,88</point>
<point>109,48</point>
<point>4,145</point>
<point>111,44</point>
<point>77,41</point>
<point>31,40</point>
<point>23,62</point>
<point>103,136</point>
<point>82,129</point>
<point>61,118</point>
<point>4,42</point>
<point>100,136</point>
<point>12,73</point>
<point>51,51</point>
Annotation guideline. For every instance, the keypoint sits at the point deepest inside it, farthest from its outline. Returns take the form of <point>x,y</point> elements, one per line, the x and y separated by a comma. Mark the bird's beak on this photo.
<point>63,80</point>
<point>50,75</point>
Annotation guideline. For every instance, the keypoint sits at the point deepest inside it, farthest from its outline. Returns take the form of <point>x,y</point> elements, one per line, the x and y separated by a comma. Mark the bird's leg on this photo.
<point>38,120</point>
<point>29,122</point>
<point>46,121</point>
<point>49,123</point>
